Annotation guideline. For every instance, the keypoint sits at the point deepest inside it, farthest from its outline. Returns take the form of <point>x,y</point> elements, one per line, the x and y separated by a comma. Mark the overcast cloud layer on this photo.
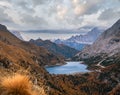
<point>58,14</point>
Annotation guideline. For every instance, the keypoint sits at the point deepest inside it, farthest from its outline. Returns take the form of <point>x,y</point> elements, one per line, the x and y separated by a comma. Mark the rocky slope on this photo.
<point>17,34</point>
<point>17,56</point>
<point>108,43</point>
<point>40,54</point>
<point>103,56</point>
<point>80,41</point>
<point>57,49</point>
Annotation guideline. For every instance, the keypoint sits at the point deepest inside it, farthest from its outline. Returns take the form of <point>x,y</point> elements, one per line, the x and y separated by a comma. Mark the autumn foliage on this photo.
<point>17,85</point>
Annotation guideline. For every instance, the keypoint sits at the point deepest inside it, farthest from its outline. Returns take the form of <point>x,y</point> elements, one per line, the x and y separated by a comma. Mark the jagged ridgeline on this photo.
<point>108,44</point>
<point>57,49</point>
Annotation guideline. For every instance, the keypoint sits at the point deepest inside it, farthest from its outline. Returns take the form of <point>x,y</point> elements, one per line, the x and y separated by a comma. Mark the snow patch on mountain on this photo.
<point>17,34</point>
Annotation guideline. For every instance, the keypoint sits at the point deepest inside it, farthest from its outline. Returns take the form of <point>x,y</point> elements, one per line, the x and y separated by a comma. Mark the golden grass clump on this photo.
<point>17,85</point>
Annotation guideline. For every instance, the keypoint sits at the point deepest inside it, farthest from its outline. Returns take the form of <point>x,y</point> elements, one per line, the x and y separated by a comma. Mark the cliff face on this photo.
<point>108,43</point>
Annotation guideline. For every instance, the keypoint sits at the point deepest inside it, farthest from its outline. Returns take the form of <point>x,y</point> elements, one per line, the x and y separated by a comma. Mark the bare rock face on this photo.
<point>17,34</point>
<point>108,43</point>
<point>3,28</point>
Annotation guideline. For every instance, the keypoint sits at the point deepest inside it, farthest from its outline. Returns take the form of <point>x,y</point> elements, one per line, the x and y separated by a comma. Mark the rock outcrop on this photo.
<point>108,43</point>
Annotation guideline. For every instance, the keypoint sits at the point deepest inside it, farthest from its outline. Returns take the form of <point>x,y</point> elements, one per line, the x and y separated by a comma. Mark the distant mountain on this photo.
<point>17,34</point>
<point>58,49</point>
<point>88,38</point>
<point>3,28</point>
<point>80,41</point>
<point>18,50</point>
<point>103,56</point>
<point>77,46</point>
<point>106,46</point>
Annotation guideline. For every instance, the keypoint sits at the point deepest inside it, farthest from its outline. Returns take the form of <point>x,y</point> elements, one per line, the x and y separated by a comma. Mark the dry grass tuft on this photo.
<point>17,85</point>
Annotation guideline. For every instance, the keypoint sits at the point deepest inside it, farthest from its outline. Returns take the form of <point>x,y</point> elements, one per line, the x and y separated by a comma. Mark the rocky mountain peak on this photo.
<point>113,31</point>
<point>108,43</point>
<point>3,27</point>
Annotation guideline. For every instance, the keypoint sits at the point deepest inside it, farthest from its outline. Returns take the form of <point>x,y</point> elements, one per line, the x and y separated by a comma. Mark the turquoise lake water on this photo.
<point>69,68</point>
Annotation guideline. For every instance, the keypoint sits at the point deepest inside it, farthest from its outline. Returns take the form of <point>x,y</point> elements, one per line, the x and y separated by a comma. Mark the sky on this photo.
<point>58,14</point>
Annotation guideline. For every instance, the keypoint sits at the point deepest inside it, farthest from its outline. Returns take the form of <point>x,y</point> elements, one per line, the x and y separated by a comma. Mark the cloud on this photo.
<point>4,17</point>
<point>91,20</point>
<point>82,7</point>
<point>79,10</point>
<point>24,6</point>
<point>109,14</point>
<point>58,14</point>
<point>36,22</point>
<point>61,11</point>
<point>5,4</point>
<point>6,20</point>
<point>40,2</point>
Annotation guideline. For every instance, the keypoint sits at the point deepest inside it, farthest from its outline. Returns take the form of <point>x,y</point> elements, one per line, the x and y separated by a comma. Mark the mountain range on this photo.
<point>40,54</point>
<point>107,43</point>
<point>80,41</point>
<point>17,34</point>
<point>57,49</point>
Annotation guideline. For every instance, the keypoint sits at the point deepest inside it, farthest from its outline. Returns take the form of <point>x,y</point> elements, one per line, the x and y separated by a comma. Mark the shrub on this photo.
<point>16,85</point>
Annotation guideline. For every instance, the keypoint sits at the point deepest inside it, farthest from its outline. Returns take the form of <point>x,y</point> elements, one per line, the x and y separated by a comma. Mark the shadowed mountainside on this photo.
<point>56,49</point>
<point>80,41</point>
<point>40,54</point>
